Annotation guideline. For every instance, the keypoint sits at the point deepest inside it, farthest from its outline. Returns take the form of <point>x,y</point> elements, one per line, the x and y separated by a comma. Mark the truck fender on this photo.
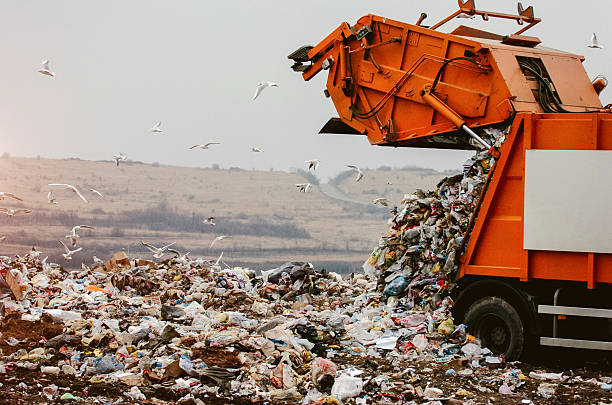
<point>471,290</point>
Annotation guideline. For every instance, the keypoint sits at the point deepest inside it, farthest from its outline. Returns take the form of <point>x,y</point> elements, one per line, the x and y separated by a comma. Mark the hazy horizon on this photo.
<point>218,166</point>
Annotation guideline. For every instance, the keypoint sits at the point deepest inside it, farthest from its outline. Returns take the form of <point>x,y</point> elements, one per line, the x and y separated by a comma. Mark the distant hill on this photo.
<point>268,219</point>
<point>387,182</point>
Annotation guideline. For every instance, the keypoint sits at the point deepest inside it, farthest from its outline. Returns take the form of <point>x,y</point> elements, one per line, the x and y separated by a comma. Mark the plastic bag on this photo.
<point>64,316</point>
<point>546,390</point>
<point>321,367</point>
<point>397,286</point>
<point>347,387</point>
<point>107,364</point>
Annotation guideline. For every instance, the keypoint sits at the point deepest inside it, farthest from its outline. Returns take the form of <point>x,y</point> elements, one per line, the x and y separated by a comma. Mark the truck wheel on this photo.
<point>498,325</point>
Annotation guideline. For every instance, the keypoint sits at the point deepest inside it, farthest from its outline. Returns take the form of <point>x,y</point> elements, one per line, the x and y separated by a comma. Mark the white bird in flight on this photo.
<point>69,253</point>
<point>381,201</point>
<point>594,42</point>
<point>303,187</point>
<point>45,69</point>
<point>157,127</point>
<point>2,238</point>
<point>98,261</point>
<point>261,86</point>
<point>313,164</point>
<point>256,150</point>
<point>221,237</point>
<point>12,212</point>
<point>205,146</point>
<point>209,221</point>
<point>73,233</point>
<point>4,194</point>
<point>219,259</point>
<point>72,188</point>
<point>120,157</point>
<point>157,252</point>
<point>96,192</point>
<point>51,198</point>
<point>359,173</point>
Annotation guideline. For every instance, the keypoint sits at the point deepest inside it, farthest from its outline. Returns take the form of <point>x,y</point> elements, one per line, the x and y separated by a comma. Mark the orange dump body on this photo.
<point>381,73</point>
<point>380,70</point>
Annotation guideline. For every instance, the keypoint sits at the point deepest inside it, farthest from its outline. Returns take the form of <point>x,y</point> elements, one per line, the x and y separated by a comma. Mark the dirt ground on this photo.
<point>481,392</point>
<point>24,386</point>
<point>28,332</point>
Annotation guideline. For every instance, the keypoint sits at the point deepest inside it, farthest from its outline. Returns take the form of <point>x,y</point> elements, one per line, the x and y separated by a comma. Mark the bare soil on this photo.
<point>29,333</point>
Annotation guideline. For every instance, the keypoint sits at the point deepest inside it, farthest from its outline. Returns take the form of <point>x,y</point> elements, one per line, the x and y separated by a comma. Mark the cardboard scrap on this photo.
<point>12,283</point>
<point>119,261</point>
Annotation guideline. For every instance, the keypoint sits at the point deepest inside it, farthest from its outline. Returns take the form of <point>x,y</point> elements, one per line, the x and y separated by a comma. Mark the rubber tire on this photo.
<point>501,310</point>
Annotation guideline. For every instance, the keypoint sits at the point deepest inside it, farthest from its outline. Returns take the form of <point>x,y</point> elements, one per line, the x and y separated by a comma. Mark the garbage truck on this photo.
<point>536,265</point>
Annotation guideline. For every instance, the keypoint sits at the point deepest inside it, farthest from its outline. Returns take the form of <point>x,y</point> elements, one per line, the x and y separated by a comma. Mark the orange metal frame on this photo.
<point>495,247</point>
<point>468,7</point>
<point>380,82</point>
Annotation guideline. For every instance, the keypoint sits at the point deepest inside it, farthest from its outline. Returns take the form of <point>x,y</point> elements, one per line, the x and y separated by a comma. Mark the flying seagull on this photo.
<point>205,146</point>
<point>51,198</point>
<point>98,261</point>
<point>96,192</point>
<point>45,69</point>
<point>256,150</point>
<point>261,86</point>
<point>120,157</point>
<point>594,42</point>
<point>11,212</point>
<point>313,164</point>
<point>69,253</point>
<point>218,238</point>
<point>209,221</point>
<point>381,201</point>
<point>219,259</point>
<point>70,187</point>
<point>4,194</point>
<point>157,252</point>
<point>359,173</point>
<point>2,238</point>
<point>157,127</point>
<point>73,233</point>
<point>303,187</point>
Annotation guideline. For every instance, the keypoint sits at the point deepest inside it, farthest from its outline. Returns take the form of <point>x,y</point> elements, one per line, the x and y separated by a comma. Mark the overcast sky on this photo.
<point>194,65</point>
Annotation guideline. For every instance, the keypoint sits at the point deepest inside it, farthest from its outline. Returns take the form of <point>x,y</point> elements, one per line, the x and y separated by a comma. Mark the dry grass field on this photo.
<point>269,221</point>
<point>389,183</point>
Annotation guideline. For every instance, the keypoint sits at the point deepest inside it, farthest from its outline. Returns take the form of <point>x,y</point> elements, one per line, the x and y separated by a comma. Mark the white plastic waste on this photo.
<point>346,386</point>
<point>136,394</point>
<point>64,316</point>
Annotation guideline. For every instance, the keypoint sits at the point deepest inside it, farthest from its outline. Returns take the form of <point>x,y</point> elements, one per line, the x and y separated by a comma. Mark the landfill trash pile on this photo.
<point>190,331</point>
<point>416,261</point>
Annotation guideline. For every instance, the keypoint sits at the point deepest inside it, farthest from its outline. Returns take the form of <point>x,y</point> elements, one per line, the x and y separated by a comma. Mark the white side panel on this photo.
<point>568,200</point>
